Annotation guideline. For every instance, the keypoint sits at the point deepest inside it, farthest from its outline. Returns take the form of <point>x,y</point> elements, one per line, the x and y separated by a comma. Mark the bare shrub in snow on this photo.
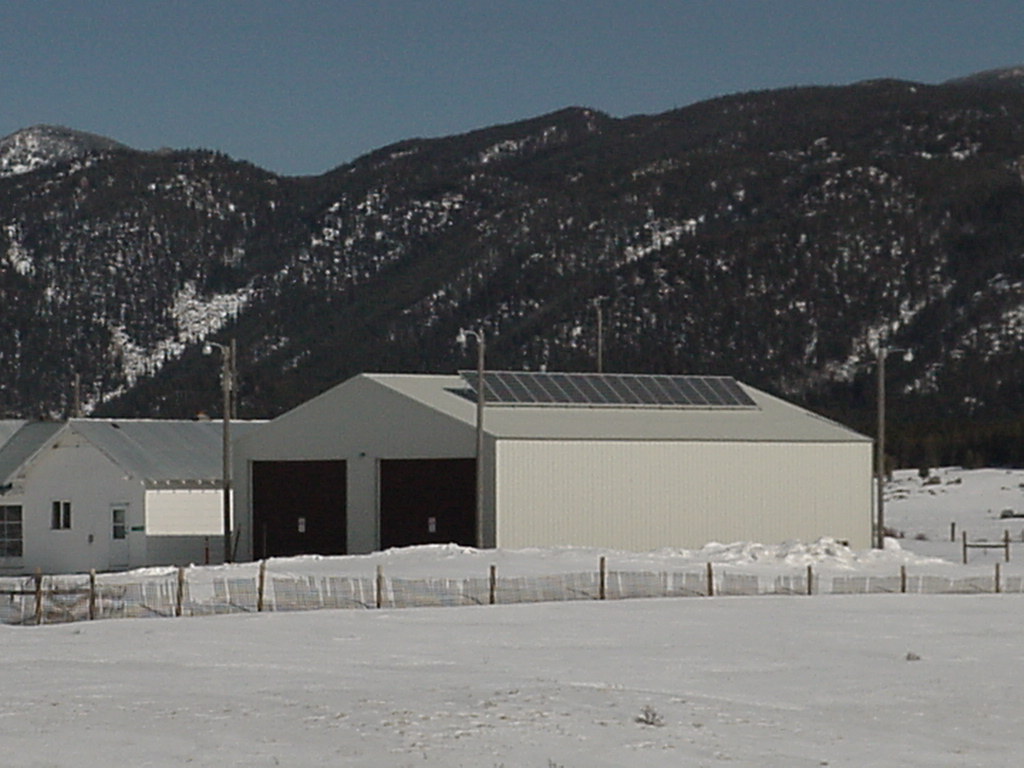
<point>649,716</point>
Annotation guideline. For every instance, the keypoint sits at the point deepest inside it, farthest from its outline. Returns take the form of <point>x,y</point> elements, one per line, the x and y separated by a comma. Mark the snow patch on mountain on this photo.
<point>18,256</point>
<point>195,318</point>
<point>40,146</point>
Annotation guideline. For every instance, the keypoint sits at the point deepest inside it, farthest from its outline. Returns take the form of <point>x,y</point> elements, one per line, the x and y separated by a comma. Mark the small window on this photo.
<point>119,519</point>
<point>11,542</point>
<point>60,515</point>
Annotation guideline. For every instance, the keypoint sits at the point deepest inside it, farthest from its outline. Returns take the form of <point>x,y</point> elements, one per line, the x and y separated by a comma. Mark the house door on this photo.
<point>119,536</point>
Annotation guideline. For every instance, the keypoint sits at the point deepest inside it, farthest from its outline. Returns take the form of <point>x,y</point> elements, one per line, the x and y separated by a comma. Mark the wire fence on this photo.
<point>270,585</point>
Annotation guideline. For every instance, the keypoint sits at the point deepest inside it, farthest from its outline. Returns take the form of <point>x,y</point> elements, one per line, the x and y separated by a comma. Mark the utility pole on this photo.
<point>880,450</point>
<point>227,377</point>
<point>883,353</point>
<point>596,301</point>
<point>76,405</point>
<point>463,339</point>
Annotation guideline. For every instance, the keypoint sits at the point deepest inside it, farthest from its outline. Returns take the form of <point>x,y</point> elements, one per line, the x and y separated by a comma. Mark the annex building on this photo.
<point>615,461</point>
<point>110,494</point>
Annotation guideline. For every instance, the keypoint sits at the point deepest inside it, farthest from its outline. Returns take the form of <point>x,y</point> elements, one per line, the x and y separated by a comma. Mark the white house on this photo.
<point>110,494</point>
<point>603,460</point>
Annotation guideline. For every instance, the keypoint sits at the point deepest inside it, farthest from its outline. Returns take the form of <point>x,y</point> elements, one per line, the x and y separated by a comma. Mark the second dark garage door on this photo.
<point>427,501</point>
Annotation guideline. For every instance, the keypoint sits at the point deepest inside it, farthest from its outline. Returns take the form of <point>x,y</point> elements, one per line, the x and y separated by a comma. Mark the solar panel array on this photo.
<point>609,389</point>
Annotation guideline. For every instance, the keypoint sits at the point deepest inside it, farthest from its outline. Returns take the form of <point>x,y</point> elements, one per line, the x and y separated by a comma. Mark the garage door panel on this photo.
<point>427,501</point>
<point>299,507</point>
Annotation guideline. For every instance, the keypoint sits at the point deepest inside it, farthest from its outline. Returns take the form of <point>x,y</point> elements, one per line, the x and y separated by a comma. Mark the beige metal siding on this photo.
<point>638,495</point>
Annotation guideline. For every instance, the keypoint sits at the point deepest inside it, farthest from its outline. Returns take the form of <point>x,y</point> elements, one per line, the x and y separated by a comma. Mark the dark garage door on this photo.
<point>427,501</point>
<point>298,508</point>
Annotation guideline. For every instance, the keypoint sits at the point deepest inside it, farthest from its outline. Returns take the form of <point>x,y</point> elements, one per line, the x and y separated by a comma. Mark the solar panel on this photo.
<point>609,389</point>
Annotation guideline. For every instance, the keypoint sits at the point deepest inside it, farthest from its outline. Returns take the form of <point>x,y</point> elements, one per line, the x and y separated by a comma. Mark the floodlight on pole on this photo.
<point>227,377</point>
<point>463,340</point>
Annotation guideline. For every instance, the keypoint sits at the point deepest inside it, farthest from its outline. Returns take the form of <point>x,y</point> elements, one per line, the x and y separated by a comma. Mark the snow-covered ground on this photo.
<point>875,680</point>
<point>974,500</point>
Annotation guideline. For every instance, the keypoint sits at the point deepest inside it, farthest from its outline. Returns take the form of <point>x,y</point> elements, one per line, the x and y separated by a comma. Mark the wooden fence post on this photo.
<point>1006,544</point>
<point>998,583</point>
<point>711,580</point>
<point>92,594</point>
<point>380,585</point>
<point>39,595</point>
<point>179,597</point>
<point>602,583</point>
<point>810,580</point>
<point>952,531</point>
<point>963,536</point>
<point>261,585</point>
<point>493,594</point>
<point>903,579</point>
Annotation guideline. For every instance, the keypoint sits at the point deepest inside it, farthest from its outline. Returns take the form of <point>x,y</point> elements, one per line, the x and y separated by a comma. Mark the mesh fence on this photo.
<point>202,591</point>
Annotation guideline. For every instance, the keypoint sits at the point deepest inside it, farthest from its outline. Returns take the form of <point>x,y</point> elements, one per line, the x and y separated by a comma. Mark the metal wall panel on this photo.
<point>636,495</point>
<point>184,513</point>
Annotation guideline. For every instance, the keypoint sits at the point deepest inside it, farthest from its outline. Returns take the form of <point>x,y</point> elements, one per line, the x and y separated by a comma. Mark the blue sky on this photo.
<point>300,86</point>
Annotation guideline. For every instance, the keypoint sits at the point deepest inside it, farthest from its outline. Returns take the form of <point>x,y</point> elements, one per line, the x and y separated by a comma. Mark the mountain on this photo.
<point>1003,79</point>
<point>43,145</point>
<point>774,236</point>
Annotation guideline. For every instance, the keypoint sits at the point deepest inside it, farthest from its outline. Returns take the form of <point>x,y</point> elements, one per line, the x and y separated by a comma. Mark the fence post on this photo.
<point>602,590</point>
<point>380,585</point>
<point>1006,544</point>
<point>810,580</point>
<point>963,536</point>
<point>952,531</point>
<point>998,584</point>
<point>179,597</point>
<point>903,579</point>
<point>92,594</point>
<point>492,597</point>
<point>39,595</point>
<point>711,580</point>
<point>261,585</point>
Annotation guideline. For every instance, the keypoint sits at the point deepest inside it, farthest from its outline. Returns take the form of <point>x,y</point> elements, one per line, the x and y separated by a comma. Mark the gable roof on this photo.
<point>771,420</point>
<point>22,443</point>
<point>160,453</point>
<point>7,429</point>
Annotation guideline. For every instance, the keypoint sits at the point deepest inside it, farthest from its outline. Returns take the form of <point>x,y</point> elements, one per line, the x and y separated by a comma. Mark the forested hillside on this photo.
<point>773,236</point>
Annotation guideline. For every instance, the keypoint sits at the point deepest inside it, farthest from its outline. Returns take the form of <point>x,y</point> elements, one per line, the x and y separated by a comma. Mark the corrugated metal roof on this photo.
<point>162,452</point>
<point>23,443</point>
<point>773,419</point>
<point>8,427</point>
<point>155,452</point>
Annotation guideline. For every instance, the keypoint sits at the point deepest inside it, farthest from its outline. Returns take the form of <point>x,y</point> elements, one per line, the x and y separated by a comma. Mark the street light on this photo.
<point>463,340</point>
<point>882,353</point>
<point>227,377</point>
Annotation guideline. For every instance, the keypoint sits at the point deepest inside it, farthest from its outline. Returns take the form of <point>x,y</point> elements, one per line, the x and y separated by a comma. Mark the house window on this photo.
<point>60,515</point>
<point>119,521</point>
<point>11,541</point>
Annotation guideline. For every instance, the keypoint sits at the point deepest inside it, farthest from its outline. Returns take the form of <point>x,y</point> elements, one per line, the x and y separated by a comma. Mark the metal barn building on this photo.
<point>602,460</point>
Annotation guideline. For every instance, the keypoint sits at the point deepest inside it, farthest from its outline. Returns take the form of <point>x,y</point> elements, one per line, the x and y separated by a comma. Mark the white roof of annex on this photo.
<point>773,420</point>
<point>158,452</point>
